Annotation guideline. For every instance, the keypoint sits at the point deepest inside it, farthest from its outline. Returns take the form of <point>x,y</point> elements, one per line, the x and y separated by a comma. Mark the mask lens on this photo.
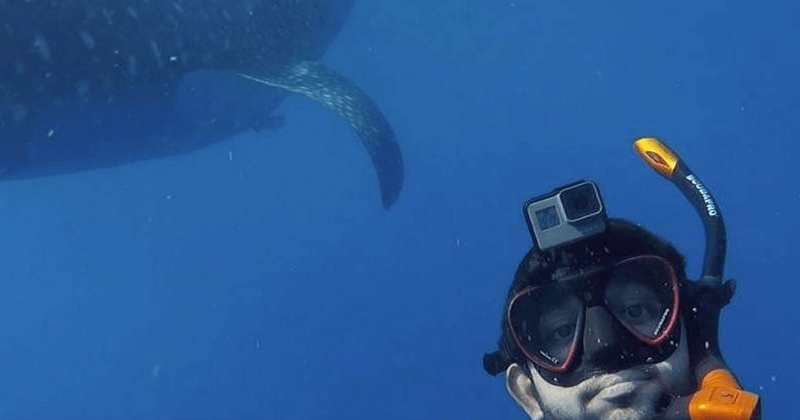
<point>642,293</point>
<point>545,322</point>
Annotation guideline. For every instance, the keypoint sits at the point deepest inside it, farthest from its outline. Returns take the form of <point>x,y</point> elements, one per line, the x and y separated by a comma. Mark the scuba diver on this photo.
<point>601,321</point>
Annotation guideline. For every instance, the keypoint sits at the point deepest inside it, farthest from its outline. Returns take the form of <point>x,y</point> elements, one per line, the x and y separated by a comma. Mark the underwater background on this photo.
<point>261,278</point>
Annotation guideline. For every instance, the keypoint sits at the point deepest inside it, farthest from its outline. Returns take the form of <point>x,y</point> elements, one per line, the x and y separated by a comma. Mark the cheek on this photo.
<point>561,402</point>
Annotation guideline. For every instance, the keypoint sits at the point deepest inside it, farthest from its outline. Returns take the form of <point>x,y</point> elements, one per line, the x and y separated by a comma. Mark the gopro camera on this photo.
<point>566,214</point>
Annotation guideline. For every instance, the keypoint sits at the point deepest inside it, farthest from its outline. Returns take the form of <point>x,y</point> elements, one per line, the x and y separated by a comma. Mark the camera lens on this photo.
<point>580,201</point>
<point>547,218</point>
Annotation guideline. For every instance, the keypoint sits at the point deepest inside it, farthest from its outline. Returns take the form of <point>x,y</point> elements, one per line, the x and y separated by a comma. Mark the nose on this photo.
<point>602,339</point>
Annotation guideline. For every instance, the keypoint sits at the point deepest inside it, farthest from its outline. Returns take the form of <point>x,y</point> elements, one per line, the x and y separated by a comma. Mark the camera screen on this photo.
<point>580,201</point>
<point>547,218</point>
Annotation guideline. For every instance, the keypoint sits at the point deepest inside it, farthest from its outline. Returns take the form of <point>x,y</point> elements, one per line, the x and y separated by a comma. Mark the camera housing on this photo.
<point>566,214</point>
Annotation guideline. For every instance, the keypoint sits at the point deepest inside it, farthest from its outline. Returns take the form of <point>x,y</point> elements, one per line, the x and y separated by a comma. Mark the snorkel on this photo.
<point>657,156</point>
<point>719,396</point>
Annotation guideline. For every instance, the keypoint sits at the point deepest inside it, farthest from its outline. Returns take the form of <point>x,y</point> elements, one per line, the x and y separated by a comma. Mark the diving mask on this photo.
<point>641,293</point>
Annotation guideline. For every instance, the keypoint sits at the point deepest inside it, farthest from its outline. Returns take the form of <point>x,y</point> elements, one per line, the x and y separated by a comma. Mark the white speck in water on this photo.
<point>458,242</point>
<point>51,133</point>
<point>773,378</point>
<point>258,343</point>
<point>230,155</point>
<point>156,53</point>
<point>87,39</point>
<point>169,197</point>
<point>41,46</point>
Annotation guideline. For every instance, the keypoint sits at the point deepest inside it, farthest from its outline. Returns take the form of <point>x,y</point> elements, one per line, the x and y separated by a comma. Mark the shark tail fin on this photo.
<point>336,92</point>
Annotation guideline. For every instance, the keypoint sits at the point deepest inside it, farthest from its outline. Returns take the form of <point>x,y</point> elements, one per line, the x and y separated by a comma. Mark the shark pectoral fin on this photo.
<point>336,92</point>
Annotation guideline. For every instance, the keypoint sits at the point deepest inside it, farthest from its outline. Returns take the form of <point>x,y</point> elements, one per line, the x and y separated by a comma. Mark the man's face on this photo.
<point>630,394</point>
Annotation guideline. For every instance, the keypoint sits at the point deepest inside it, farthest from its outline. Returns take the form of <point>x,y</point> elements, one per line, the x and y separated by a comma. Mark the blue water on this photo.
<point>260,278</point>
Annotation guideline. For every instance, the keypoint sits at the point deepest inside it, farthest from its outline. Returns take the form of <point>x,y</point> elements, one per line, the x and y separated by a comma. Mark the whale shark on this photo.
<point>86,85</point>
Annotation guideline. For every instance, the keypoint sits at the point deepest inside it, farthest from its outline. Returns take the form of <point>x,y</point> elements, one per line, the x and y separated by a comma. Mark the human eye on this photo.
<point>563,332</point>
<point>558,329</point>
<point>558,324</point>
<point>639,311</point>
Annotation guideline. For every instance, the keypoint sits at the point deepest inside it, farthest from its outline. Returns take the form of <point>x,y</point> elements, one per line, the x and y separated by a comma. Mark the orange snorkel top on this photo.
<point>656,156</point>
